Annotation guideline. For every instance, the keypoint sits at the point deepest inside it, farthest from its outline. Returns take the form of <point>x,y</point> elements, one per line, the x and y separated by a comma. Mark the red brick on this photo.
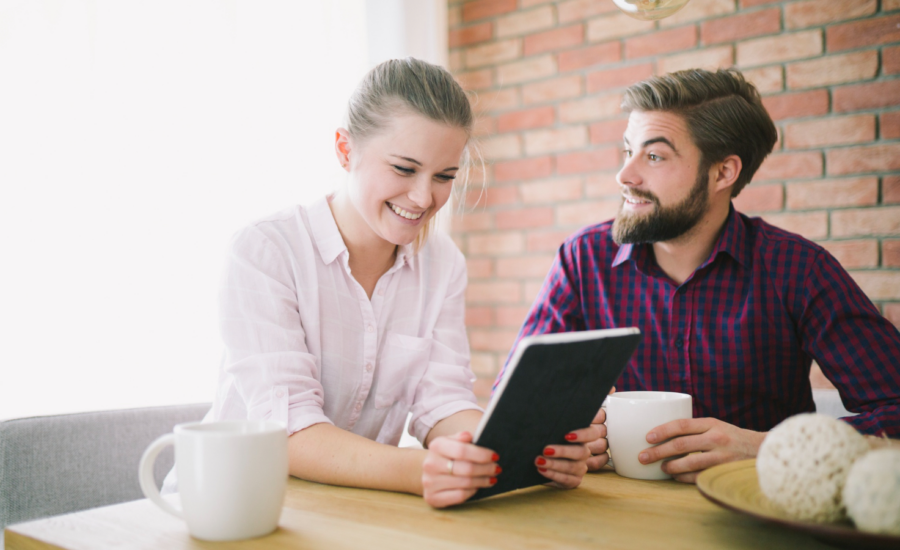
<point>552,90</point>
<point>608,52</point>
<point>857,160</point>
<point>602,184</point>
<point>492,196</point>
<point>760,198</point>
<point>500,340</point>
<point>482,316</point>
<point>484,364</point>
<point>512,316</point>
<point>579,10</point>
<point>472,221</point>
<point>556,39</point>
<point>532,68</point>
<point>480,268</point>
<point>455,61</point>
<point>496,244</point>
<point>890,5</point>
<point>530,290</point>
<point>890,60</point>
<point>813,13</point>
<point>866,96</point>
<point>525,21</point>
<point>890,125</point>
<point>830,131</point>
<point>532,3</point>
<point>696,10</point>
<point>832,193</point>
<point>621,77</point>
<point>493,292</point>
<point>495,100</point>
<point>554,140</point>
<point>523,218</point>
<point>492,53</point>
<point>546,241</point>
<point>617,25</point>
<point>878,285</point>
<point>854,254</point>
<point>586,212</point>
<point>783,47</point>
<point>530,118</point>
<point>892,314</point>
<point>768,79</point>
<point>454,16</point>
<point>833,69</point>
<point>479,9</point>
<point>795,105</point>
<point>660,42</point>
<point>591,108</point>
<point>525,169</point>
<point>890,190</point>
<point>708,58</point>
<point>868,32</point>
<point>525,267</point>
<point>587,161</point>
<point>484,126</point>
<point>476,80</point>
<point>890,253</point>
<point>609,131</point>
<point>470,35</point>
<point>866,221</point>
<point>738,27</point>
<point>790,166</point>
<point>753,3</point>
<point>812,225</point>
<point>550,191</point>
<point>501,147</point>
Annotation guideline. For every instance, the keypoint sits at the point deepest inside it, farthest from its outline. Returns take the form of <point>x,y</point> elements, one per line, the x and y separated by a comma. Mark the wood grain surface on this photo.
<point>607,511</point>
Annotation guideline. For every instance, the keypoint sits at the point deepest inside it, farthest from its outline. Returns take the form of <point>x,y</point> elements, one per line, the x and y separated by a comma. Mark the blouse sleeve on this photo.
<point>265,347</point>
<point>446,386</point>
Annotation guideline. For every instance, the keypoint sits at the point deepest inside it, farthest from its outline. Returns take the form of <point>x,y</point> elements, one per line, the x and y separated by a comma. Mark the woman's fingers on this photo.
<point>460,449</point>
<point>454,469</point>
<point>561,479</point>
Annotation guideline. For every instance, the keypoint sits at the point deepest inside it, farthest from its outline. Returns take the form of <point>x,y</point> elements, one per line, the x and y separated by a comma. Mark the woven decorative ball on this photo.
<point>803,463</point>
<point>872,492</point>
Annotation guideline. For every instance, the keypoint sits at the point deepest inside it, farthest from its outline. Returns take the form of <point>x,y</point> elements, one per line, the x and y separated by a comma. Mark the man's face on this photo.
<point>665,187</point>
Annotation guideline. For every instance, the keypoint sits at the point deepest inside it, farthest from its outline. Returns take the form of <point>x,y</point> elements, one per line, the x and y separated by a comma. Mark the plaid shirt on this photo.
<point>740,333</point>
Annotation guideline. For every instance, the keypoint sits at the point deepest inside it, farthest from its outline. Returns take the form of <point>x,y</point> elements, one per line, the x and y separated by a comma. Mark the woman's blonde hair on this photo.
<point>415,86</point>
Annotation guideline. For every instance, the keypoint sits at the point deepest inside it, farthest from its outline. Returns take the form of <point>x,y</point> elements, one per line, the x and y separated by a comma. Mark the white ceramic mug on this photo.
<point>630,415</point>
<point>231,477</point>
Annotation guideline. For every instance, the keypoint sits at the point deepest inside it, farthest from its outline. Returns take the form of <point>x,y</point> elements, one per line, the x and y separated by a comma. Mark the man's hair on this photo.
<point>723,113</point>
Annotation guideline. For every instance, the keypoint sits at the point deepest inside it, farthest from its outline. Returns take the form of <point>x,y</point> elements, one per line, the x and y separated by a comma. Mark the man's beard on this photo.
<point>663,223</point>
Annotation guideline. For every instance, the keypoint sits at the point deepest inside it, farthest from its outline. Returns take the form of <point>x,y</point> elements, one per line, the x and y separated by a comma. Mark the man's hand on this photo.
<point>713,441</point>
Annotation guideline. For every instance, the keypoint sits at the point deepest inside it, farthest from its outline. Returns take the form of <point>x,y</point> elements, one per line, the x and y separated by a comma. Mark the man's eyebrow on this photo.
<point>417,163</point>
<point>660,140</point>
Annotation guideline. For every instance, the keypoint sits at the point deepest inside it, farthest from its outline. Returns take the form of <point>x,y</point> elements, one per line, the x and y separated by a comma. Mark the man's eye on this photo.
<point>402,170</point>
<point>627,153</point>
<point>654,157</point>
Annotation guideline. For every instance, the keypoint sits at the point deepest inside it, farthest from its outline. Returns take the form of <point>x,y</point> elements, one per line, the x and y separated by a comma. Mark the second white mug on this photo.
<point>630,415</point>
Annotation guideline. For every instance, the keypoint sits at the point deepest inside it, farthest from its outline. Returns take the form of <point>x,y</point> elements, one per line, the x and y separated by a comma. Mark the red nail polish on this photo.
<point>541,461</point>
<point>493,480</point>
<point>498,470</point>
<point>549,451</point>
<point>571,437</point>
<point>542,470</point>
<point>495,457</point>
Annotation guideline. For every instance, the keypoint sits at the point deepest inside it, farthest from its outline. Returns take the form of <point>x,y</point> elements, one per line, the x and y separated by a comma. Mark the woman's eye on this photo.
<point>404,171</point>
<point>445,178</point>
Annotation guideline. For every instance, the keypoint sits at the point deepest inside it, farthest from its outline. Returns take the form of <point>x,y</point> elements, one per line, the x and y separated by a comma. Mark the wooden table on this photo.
<point>607,511</point>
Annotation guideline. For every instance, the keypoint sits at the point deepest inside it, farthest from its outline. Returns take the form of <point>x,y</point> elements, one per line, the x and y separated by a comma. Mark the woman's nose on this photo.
<point>420,193</point>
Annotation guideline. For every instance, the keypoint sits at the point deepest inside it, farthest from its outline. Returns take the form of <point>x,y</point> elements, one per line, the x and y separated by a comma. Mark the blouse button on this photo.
<point>381,291</point>
<point>279,394</point>
<point>370,328</point>
<point>369,367</point>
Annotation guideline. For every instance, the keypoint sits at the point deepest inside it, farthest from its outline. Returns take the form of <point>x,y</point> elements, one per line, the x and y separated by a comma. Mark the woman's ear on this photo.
<point>342,147</point>
<point>727,172</point>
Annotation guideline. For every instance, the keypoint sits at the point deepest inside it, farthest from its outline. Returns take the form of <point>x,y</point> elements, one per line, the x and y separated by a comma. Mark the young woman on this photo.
<point>341,318</point>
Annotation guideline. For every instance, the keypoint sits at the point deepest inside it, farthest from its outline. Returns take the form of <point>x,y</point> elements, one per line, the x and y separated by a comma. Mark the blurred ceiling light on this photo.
<point>649,10</point>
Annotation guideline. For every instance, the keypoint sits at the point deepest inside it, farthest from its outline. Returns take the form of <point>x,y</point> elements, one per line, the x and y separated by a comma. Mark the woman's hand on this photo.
<point>565,465</point>
<point>454,469</point>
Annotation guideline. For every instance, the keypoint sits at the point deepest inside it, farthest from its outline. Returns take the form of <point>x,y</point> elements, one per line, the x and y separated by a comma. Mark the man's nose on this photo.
<point>628,174</point>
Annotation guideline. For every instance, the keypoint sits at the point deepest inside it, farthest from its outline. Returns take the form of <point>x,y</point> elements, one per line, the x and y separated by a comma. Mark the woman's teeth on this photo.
<point>406,214</point>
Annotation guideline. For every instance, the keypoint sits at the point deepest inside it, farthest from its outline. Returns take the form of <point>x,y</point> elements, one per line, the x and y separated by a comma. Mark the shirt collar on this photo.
<point>331,245</point>
<point>732,241</point>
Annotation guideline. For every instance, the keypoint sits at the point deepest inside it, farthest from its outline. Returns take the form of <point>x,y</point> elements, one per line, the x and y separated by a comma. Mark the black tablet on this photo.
<point>554,384</point>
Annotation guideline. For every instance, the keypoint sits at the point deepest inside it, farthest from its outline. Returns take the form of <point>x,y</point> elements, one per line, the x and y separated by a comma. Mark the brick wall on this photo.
<point>548,78</point>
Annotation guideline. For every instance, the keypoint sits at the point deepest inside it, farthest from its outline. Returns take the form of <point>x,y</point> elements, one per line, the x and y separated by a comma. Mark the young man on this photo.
<point>733,310</point>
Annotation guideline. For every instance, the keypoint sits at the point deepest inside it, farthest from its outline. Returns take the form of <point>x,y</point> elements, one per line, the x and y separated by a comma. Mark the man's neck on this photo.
<point>680,257</point>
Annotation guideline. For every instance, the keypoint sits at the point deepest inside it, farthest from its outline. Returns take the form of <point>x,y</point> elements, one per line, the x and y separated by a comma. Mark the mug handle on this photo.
<point>145,470</point>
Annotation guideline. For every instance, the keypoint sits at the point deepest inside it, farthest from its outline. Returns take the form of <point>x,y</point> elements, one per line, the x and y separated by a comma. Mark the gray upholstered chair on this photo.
<point>53,465</point>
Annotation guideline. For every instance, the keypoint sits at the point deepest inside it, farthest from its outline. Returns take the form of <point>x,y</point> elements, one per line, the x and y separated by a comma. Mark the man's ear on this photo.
<point>342,147</point>
<point>726,172</point>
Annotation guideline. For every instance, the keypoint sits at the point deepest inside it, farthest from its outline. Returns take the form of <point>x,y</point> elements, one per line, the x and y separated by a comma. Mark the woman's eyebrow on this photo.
<point>417,163</point>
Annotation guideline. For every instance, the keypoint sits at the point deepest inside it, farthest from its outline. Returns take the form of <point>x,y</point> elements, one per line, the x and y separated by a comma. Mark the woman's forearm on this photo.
<point>327,454</point>
<point>463,421</point>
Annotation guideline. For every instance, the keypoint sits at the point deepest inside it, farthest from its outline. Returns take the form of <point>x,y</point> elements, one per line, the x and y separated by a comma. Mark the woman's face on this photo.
<point>402,175</point>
